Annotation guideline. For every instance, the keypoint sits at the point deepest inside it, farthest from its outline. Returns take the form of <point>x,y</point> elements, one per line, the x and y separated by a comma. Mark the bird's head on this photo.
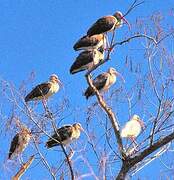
<point>113,71</point>
<point>78,126</point>
<point>54,78</point>
<point>26,131</point>
<point>119,16</point>
<point>137,118</point>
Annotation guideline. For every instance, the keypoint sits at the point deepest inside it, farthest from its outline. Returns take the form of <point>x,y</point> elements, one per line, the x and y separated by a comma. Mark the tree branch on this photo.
<point>135,36</point>
<point>133,5</point>
<point>130,162</point>
<point>23,168</point>
<point>110,114</point>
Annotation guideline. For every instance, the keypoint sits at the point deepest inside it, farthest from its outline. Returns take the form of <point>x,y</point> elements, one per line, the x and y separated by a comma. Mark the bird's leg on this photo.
<point>48,113</point>
<point>70,155</point>
<point>107,43</point>
<point>135,144</point>
<point>44,104</point>
<point>21,162</point>
<point>112,41</point>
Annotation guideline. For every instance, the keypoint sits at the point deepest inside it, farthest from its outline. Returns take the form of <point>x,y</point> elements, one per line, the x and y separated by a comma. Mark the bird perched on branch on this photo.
<point>90,42</point>
<point>103,82</point>
<point>87,60</point>
<point>19,142</point>
<point>132,128</point>
<point>107,23</point>
<point>45,90</point>
<point>65,135</point>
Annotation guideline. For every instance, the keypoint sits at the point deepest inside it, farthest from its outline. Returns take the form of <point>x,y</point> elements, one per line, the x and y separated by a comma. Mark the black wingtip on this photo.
<point>47,146</point>
<point>89,33</point>
<point>72,71</point>
<point>75,47</point>
<point>9,156</point>
<point>51,144</point>
<point>27,98</point>
<point>87,95</point>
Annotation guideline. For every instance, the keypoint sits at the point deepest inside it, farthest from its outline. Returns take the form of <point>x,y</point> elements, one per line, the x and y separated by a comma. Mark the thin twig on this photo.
<point>134,37</point>
<point>44,160</point>
<point>133,5</point>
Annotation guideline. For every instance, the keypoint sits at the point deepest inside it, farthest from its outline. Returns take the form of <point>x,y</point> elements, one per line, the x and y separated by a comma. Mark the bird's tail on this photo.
<point>10,155</point>
<point>88,93</point>
<point>50,144</point>
<point>27,98</point>
<point>74,70</point>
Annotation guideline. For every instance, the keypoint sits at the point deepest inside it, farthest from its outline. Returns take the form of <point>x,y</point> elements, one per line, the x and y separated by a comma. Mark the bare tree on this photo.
<point>103,153</point>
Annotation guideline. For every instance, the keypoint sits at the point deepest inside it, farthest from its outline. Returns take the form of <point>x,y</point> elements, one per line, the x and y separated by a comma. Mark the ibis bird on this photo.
<point>65,135</point>
<point>103,82</point>
<point>132,128</point>
<point>44,90</point>
<point>19,142</point>
<point>87,60</point>
<point>90,42</point>
<point>107,23</point>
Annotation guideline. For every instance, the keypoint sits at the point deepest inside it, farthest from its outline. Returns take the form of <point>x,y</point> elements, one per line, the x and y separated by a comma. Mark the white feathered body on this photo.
<point>131,129</point>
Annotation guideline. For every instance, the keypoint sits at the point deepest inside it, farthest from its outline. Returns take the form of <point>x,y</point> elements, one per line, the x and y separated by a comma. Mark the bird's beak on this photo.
<point>124,19</point>
<point>120,75</point>
<point>60,83</point>
<point>82,129</point>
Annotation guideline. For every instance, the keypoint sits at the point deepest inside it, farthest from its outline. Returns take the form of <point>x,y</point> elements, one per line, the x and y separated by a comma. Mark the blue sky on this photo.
<point>38,36</point>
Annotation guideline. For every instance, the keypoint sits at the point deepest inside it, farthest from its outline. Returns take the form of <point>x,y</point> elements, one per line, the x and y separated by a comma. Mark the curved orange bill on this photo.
<point>122,78</point>
<point>124,19</point>
<point>60,83</point>
<point>142,124</point>
<point>82,129</point>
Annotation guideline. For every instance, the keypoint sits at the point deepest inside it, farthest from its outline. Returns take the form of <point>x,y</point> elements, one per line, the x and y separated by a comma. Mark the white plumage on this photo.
<point>132,128</point>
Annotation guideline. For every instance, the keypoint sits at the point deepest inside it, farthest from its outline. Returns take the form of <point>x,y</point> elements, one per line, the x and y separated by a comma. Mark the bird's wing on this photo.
<point>130,128</point>
<point>102,25</point>
<point>64,133</point>
<point>100,81</point>
<point>86,41</point>
<point>81,61</point>
<point>39,91</point>
<point>14,145</point>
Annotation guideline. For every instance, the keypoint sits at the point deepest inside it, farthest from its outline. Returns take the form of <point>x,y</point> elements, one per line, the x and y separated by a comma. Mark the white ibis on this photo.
<point>132,128</point>
<point>66,135</point>
<point>19,142</point>
<point>107,23</point>
<point>90,42</point>
<point>87,60</point>
<point>45,90</point>
<point>103,82</point>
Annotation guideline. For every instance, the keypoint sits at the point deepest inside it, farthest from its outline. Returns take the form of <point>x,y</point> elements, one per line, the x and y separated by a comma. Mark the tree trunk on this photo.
<point>123,172</point>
